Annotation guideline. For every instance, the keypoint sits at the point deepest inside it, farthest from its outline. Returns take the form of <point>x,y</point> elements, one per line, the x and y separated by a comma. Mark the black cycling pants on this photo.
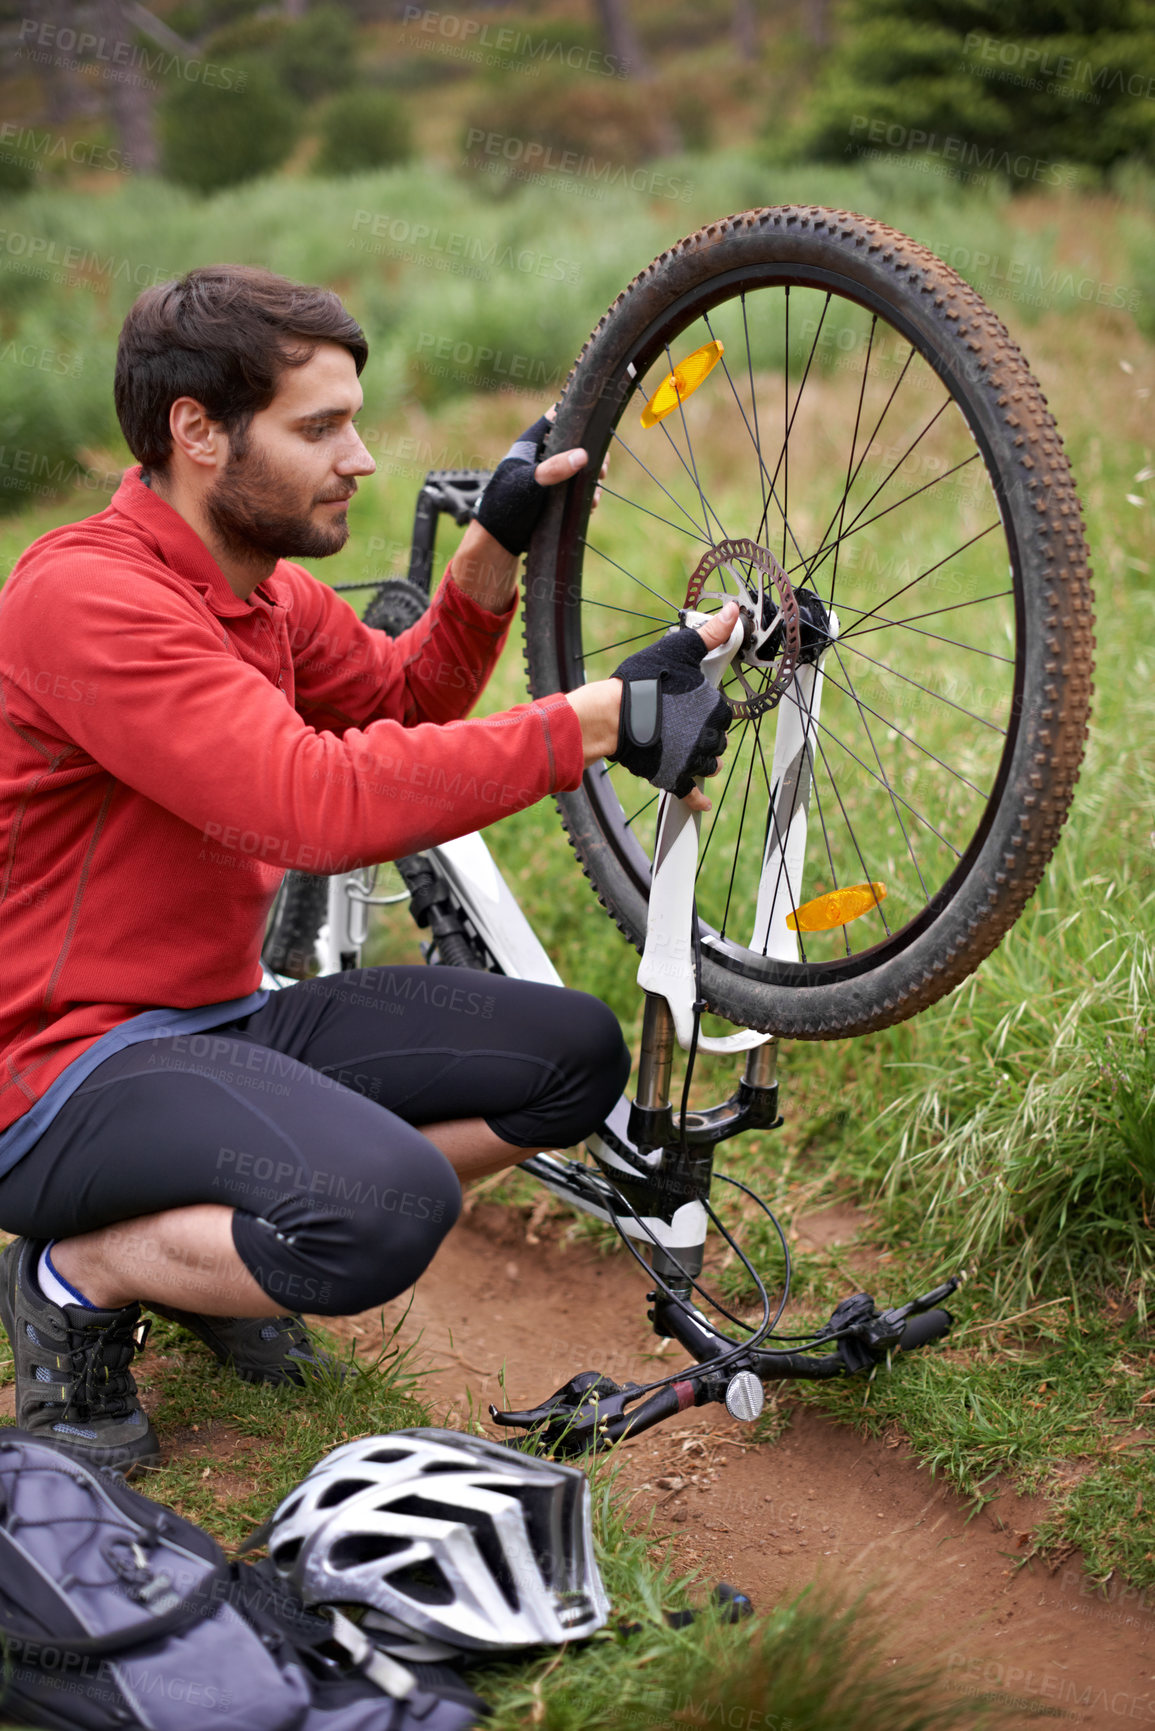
<point>300,1117</point>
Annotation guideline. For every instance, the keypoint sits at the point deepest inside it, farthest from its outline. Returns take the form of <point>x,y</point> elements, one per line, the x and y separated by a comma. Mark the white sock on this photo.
<point>56,1289</point>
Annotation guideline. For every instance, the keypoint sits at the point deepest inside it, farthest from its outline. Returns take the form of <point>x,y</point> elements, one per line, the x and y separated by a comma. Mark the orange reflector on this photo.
<point>676,386</point>
<point>836,909</point>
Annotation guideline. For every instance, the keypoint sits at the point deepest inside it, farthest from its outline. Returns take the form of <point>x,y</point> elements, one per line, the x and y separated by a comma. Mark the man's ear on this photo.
<point>195,435</point>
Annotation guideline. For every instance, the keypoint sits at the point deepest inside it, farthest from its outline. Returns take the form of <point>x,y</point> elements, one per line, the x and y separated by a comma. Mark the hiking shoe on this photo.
<point>276,1349</point>
<point>73,1384</point>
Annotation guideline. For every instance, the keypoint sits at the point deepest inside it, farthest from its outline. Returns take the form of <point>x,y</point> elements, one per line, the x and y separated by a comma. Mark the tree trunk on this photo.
<point>65,91</point>
<point>745,31</point>
<point>818,22</point>
<point>130,103</point>
<point>621,38</point>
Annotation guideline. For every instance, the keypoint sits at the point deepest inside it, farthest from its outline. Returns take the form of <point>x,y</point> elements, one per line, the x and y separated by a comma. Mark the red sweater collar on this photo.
<point>182,549</point>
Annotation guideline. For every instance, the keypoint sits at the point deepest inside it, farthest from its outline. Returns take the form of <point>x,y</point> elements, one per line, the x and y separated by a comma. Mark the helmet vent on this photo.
<point>356,1549</point>
<point>423,1582</point>
<point>484,1535</point>
<point>384,1456</point>
<point>338,1492</point>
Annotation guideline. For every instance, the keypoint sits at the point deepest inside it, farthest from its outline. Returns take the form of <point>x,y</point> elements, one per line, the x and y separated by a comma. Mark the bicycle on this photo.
<point>916,642</point>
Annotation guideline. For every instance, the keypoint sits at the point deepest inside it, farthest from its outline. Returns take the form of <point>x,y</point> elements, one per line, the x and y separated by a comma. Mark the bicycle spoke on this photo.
<point>733,752</point>
<point>874,776</point>
<point>648,587</point>
<point>866,449</point>
<point>939,697</point>
<point>630,452</point>
<point>850,459</point>
<point>924,574</point>
<point>741,825</point>
<point>630,612</point>
<point>885,778</point>
<point>856,525</point>
<point>686,466</point>
<point>865,709</point>
<point>846,820</point>
<point>951,607</point>
<point>817,792</point>
<point>763,474</point>
<point>622,643</point>
<point>772,818</point>
<point>642,809</point>
<point>691,534</point>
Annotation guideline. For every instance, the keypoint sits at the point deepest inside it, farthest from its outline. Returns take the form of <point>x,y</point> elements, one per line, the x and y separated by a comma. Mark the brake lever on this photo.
<point>579,1409</point>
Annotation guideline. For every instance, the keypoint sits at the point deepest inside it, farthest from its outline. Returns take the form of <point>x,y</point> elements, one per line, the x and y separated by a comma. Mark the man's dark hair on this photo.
<point>223,335</point>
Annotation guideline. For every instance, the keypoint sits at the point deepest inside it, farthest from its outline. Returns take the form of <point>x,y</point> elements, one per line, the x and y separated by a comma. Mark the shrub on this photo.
<point>316,54</point>
<point>362,129</point>
<point>16,173</point>
<point>560,111</point>
<point>216,137</point>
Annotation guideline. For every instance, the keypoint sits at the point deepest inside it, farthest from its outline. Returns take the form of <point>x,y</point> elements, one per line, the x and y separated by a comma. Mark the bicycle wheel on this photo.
<point>802,402</point>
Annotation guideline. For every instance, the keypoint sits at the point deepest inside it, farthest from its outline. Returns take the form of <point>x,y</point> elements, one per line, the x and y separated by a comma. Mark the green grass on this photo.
<point>1009,1128</point>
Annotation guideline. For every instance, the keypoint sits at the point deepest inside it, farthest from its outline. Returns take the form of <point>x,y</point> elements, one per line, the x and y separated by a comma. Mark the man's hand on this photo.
<point>598,706</point>
<point>485,564</point>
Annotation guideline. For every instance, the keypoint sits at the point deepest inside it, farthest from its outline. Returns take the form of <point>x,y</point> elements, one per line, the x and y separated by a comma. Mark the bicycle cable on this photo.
<point>765,1329</point>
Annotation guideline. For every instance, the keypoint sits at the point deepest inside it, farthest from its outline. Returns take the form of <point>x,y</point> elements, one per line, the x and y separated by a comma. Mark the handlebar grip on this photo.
<point>929,1325</point>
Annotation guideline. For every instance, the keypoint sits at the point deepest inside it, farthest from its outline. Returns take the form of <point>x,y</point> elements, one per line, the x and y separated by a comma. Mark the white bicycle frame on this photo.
<point>666,970</point>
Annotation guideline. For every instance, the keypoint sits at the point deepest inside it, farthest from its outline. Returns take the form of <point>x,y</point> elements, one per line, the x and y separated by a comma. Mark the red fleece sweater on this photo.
<point>168,750</point>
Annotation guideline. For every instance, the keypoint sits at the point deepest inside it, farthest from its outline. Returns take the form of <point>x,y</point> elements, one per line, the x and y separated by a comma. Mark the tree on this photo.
<point>621,39</point>
<point>1020,86</point>
<point>129,99</point>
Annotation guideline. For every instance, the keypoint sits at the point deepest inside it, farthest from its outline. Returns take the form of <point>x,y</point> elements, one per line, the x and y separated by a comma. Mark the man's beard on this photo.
<point>256,511</point>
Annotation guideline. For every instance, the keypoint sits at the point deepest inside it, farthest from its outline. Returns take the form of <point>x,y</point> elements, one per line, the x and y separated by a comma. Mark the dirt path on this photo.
<point>769,1518</point>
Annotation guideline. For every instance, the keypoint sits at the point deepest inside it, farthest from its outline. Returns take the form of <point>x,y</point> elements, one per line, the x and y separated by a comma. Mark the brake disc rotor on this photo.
<point>772,641</point>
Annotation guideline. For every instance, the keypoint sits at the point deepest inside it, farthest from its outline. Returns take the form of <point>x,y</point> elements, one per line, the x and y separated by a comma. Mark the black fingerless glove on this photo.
<point>513,500</point>
<point>673,721</point>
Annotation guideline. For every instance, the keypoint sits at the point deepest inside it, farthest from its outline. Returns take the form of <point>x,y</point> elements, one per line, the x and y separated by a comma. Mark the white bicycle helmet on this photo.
<point>461,1540</point>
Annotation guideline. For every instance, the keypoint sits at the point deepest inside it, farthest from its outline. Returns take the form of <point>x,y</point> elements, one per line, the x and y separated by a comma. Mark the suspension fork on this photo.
<point>685,1148</point>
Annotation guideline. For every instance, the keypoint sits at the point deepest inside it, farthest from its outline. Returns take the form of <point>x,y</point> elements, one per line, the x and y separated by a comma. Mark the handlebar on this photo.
<point>592,1409</point>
